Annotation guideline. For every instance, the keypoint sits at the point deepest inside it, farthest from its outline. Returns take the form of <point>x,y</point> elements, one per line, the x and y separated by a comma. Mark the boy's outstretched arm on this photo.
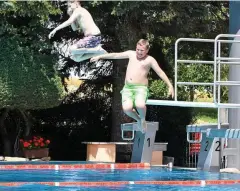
<point>68,22</point>
<point>121,55</point>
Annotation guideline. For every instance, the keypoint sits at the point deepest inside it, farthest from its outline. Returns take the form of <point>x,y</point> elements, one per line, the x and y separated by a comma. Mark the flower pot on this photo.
<point>36,153</point>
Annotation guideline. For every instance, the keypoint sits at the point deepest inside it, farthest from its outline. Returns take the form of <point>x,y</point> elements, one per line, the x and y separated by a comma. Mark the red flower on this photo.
<point>34,143</point>
<point>26,144</point>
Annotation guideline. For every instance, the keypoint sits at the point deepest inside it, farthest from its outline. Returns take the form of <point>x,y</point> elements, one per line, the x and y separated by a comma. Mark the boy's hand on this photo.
<point>171,91</point>
<point>95,59</point>
<point>51,34</point>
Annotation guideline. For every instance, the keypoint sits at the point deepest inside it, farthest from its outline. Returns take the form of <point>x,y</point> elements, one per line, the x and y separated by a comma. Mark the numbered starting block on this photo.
<point>210,137</point>
<point>143,142</point>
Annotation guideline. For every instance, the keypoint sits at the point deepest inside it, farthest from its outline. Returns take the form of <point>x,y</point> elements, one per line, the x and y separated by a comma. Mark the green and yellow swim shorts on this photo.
<point>134,91</point>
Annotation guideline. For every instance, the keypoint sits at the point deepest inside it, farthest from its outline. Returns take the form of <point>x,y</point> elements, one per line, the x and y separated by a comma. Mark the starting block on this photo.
<point>143,142</point>
<point>129,127</point>
<point>224,133</point>
<point>209,158</point>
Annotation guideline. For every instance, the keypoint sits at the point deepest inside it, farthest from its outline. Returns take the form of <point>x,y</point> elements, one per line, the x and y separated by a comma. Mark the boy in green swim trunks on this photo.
<point>135,90</point>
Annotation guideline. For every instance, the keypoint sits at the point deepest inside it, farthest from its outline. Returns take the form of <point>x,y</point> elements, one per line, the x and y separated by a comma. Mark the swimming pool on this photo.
<point>80,176</point>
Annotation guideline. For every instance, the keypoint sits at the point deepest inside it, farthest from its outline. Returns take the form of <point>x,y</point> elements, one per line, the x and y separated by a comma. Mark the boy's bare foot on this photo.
<point>139,124</point>
<point>144,125</point>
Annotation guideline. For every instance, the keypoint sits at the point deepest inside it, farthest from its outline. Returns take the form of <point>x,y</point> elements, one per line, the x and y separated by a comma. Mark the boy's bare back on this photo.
<point>85,22</point>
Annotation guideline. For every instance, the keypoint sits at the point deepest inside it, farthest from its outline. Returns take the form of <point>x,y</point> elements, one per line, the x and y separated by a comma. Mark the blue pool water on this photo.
<point>153,174</point>
<point>34,187</point>
<point>80,175</point>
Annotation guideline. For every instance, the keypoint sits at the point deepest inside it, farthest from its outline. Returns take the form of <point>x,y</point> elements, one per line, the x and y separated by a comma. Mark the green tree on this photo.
<point>28,79</point>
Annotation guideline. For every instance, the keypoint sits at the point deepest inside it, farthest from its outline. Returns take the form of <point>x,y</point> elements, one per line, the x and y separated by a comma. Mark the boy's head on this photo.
<point>72,5</point>
<point>142,48</point>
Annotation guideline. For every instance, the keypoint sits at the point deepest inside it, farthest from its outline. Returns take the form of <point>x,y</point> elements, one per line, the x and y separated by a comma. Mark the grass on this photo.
<point>205,115</point>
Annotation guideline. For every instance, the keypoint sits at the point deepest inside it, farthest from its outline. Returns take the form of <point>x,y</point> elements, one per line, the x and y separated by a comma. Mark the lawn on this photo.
<point>205,115</point>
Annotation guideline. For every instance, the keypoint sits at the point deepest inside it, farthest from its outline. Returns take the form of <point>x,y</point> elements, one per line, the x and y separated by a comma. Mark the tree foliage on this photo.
<point>27,74</point>
<point>28,79</point>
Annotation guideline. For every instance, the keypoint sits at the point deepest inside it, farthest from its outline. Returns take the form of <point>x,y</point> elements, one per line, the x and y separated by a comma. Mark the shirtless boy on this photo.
<point>135,90</point>
<point>81,19</point>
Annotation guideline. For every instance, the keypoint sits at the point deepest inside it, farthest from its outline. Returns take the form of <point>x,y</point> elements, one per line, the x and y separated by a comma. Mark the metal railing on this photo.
<point>216,62</point>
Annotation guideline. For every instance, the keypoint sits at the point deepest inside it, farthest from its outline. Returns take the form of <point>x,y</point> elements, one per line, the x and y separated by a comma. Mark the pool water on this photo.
<point>153,174</point>
<point>108,175</point>
<point>35,187</point>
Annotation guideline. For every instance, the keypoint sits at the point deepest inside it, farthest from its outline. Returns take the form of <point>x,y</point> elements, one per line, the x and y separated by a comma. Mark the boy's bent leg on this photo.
<point>74,50</point>
<point>82,43</point>
<point>88,43</point>
<point>140,102</point>
<point>86,48</point>
<point>141,108</point>
<point>80,58</point>
<point>127,104</point>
